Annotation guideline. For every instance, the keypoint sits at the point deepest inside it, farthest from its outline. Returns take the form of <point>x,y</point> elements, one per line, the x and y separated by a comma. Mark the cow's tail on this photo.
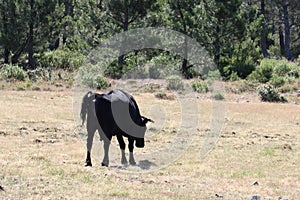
<point>86,102</point>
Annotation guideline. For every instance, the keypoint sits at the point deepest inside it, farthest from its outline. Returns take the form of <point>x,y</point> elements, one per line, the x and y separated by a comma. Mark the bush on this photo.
<point>100,82</point>
<point>13,72</point>
<point>285,68</point>
<point>270,94</point>
<point>164,96</point>
<point>61,59</point>
<point>161,95</point>
<point>154,72</point>
<point>263,73</point>
<point>213,75</point>
<point>234,77</point>
<point>199,86</point>
<point>92,77</point>
<point>38,73</point>
<point>163,65</point>
<point>277,81</point>
<point>277,72</point>
<point>175,83</point>
<point>151,87</point>
<point>218,97</point>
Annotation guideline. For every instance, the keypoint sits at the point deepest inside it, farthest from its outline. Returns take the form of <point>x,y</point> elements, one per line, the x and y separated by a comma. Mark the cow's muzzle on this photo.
<point>139,143</point>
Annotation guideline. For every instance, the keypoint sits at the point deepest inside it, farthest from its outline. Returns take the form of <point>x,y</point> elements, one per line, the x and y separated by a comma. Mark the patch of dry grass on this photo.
<point>41,156</point>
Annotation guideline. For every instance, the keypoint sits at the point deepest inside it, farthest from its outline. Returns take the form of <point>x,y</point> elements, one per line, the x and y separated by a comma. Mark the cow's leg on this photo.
<point>91,132</point>
<point>130,147</point>
<point>122,147</point>
<point>105,161</point>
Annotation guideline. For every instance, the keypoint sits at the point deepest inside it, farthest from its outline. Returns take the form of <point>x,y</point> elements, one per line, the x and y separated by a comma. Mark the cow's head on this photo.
<point>139,142</point>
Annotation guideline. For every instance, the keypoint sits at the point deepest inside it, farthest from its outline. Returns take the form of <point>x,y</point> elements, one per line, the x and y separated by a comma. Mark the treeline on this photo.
<point>236,33</point>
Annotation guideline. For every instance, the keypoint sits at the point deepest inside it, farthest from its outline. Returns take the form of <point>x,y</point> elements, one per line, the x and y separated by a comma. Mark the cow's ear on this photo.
<point>145,120</point>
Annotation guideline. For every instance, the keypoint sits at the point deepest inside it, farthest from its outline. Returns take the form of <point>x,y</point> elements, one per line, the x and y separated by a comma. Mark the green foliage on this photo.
<point>175,82</point>
<point>234,76</point>
<point>13,72</point>
<point>285,68</point>
<point>92,77</point>
<point>100,82</point>
<point>39,74</point>
<point>263,73</point>
<point>164,96</point>
<point>61,59</point>
<point>161,95</point>
<point>218,97</point>
<point>135,65</point>
<point>163,65</point>
<point>199,86</point>
<point>151,87</point>
<point>154,72</point>
<point>113,70</point>
<point>213,75</point>
<point>277,72</point>
<point>269,93</point>
<point>277,81</point>
<point>58,33</point>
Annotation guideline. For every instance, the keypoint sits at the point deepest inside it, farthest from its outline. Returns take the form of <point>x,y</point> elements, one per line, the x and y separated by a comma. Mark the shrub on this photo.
<point>36,88</point>
<point>154,72</point>
<point>213,75</point>
<point>161,95</point>
<point>285,68</point>
<point>61,59</point>
<point>269,93</point>
<point>151,87</point>
<point>38,73</point>
<point>92,77</point>
<point>163,65</point>
<point>199,86</point>
<point>175,83</point>
<point>263,73</point>
<point>277,72</point>
<point>13,72</point>
<point>100,82</point>
<point>277,81</point>
<point>218,96</point>
<point>234,77</point>
<point>164,96</point>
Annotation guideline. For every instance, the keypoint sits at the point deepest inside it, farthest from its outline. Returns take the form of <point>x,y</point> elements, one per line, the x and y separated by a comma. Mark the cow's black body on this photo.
<point>114,113</point>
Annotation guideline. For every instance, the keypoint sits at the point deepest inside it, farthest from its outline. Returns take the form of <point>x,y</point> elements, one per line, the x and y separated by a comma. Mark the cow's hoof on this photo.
<point>132,162</point>
<point>124,161</point>
<point>88,164</point>
<point>104,164</point>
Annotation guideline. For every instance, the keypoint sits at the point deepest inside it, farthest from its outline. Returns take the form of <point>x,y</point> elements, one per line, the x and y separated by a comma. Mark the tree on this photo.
<point>125,14</point>
<point>12,35</point>
<point>264,32</point>
<point>181,15</point>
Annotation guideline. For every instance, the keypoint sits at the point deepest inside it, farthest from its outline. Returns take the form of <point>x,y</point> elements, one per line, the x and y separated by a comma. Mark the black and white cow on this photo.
<point>114,113</point>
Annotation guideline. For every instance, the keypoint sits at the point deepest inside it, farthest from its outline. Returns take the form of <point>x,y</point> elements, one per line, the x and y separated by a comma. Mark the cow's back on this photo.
<point>117,111</point>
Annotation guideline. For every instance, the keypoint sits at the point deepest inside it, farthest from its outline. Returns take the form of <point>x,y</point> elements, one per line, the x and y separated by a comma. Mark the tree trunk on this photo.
<point>5,30</point>
<point>217,46</point>
<point>286,30</point>
<point>30,47</point>
<point>184,67</point>
<point>6,55</point>
<point>263,39</point>
<point>121,54</point>
<point>281,41</point>
<point>30,37</point>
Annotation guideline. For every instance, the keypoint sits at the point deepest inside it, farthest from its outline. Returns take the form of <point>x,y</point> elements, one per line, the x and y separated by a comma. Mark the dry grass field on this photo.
<point>42,155</point>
